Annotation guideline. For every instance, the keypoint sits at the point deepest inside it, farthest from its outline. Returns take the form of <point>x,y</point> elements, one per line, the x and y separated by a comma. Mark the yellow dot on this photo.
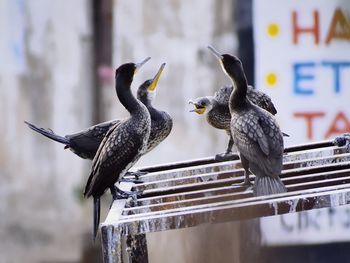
<point>273,30</point>
<point>271,79</point>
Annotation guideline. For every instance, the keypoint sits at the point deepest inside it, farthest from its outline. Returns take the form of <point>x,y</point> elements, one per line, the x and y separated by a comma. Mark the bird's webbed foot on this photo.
<point>227,156</point>
<point>122,194</point>
<point>343,140</point>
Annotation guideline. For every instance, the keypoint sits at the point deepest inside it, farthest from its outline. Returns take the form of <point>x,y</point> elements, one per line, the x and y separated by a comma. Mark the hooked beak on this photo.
<point>215,53</point>
<point>139,65</point>
<point>156,78</point>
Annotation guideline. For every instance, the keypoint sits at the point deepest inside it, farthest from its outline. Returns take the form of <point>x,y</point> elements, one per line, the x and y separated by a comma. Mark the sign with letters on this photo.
<point>302,60</point>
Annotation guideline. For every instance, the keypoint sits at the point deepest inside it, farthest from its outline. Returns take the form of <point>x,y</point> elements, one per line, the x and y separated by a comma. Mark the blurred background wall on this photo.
<point>57,65</point>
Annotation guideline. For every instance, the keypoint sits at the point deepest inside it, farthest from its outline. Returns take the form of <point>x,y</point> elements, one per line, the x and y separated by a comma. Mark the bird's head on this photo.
<point>201,105</point>
<point>230,64</point>
<point>147,91</point>
<point>128,70</point>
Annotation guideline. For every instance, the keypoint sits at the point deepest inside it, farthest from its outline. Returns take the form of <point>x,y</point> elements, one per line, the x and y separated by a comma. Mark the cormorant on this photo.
<point>124,143</point>
<point>255,132</point>
<point>85,143</point>
<point>161,121</point>
<point>218,112</point>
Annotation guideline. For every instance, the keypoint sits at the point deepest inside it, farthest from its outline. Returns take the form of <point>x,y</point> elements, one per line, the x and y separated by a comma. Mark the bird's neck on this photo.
<point>238,98</point>
<point>126,98</point>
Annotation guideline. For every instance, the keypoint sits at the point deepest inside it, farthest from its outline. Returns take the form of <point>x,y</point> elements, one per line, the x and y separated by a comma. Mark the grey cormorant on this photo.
<point>255,132</point>
<point>124,143</point>
<point>218,113</point>
<point>86,142</point>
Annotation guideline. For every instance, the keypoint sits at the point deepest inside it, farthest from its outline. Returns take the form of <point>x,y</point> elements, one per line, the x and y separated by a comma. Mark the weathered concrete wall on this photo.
<point>45,78</point>
<point>177,32</point>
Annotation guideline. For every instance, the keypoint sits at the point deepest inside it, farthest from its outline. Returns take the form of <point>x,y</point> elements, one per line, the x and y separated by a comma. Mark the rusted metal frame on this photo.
<point>222,182</point>
<point>228,196</point>
<point>230,212</point>
<point>159,199</point>
<point>210,160</point>
<point>181,180</point>
<point>112,237</point>
<point>316,161</point>
<point>206,200</point>
<point>239,201</point>
<point>313,177</point>
<point>169,174</point>
<point>231,165</point>
<point>136,248</point>
<point>112,234</point>
<point>313,153</point>
<point>183,164</point>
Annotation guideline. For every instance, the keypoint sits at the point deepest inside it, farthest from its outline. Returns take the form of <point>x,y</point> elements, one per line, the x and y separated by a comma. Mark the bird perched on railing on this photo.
<point>218,113</point>
<point>85,143</point>
<point>123,144</point>
<point>255,132</point>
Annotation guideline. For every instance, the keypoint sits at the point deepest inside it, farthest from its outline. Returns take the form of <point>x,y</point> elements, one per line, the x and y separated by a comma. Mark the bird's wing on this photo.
<point>97,159</point>
<point>222,96</point>
<point>258,138</point>
<point>88,141</point>
<point>261,99</point>
<point>117,152</point>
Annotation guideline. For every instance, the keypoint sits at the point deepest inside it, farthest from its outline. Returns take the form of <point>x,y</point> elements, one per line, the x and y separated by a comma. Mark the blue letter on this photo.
<point>298,77</point>
<point>336,66</point>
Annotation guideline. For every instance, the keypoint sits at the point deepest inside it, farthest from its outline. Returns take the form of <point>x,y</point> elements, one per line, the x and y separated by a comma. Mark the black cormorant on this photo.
<point>124,143</point>
<point>218,113</point>
<point>255,132</point>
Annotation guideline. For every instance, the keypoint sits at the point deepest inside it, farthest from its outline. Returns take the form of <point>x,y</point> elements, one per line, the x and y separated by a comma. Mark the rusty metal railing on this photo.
<point>190,193</point>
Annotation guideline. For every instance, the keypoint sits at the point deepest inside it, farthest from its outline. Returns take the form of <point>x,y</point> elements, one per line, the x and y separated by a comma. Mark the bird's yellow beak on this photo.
<point>139,65</point>
<point>156,78</point>
<point>198,108</point>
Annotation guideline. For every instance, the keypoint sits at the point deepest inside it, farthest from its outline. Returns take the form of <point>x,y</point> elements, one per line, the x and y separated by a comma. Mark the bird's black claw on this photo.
<point>224,157</point>
<point>245,184</point>
<point>136,174</point>
<point>343,140</point>
<point>131,180</point>
<point>121,194</point>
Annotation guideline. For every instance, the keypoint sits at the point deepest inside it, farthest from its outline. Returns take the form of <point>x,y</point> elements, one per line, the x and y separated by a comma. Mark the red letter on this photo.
<point>309,116</point>
<point>313,29</point>
<point>338,22</point>
<point>339,125</point>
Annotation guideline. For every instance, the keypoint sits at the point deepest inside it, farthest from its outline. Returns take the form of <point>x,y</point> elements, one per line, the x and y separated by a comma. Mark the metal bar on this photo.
<point>210,159</point>
<point>111,234</point>
<point>231,212</point>
<point>137,248</point>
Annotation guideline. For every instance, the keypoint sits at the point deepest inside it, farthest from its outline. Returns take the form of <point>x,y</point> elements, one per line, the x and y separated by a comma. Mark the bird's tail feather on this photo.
<point>267,185</point>
<point>48,133</point>
<point>97,209</point>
